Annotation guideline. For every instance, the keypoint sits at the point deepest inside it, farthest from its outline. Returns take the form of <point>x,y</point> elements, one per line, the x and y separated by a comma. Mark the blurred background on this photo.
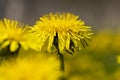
<point>99,61</point>
<point>97,13</point>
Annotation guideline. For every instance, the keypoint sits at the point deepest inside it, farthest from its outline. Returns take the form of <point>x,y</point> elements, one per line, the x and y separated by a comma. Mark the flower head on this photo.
<point>64,32</point>
<point>14,34</point>
<point>35,67</point>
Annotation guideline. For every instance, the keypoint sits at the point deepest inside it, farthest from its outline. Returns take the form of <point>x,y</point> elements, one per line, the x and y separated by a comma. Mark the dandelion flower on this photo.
<point>15,35</point>
<point>35,67</point>
<point>64,32</point>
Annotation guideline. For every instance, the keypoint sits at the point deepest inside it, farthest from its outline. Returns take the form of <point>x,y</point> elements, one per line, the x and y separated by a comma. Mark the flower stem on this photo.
<point>60,55</point>
<point>61,58</point>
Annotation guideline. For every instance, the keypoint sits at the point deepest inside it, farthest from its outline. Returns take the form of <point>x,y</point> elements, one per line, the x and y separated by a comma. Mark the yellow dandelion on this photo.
<point>15,35</point>
<point>65,32</point>
<point>35,67</point>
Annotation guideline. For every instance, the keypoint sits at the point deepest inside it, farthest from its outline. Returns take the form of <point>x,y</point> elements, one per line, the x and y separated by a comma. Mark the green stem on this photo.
<point>60,55</point>
<point>61,58</point>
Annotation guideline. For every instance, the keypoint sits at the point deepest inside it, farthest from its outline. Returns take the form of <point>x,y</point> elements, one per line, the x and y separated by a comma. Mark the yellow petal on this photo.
<point>61,42</point>
<point>14,46</point>
<point>2,38</point>
<point>67,42</point>
<point>51,39</point>
<point>5,44</point>
<point>24,45</point>
<point>75,42</point>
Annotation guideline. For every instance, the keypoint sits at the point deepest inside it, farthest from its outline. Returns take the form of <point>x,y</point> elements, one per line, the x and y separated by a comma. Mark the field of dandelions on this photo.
<point>59,46</point>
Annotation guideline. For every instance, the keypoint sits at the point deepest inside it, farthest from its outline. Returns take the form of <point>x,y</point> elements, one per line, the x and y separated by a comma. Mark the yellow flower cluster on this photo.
<point>34,67</point>
<point>14,34</point>
<point>64,32</point>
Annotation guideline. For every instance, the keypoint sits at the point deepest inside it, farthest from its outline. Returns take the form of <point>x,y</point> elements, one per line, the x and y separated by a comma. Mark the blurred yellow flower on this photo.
<point>14,34</point>
<point>116,40</point>
<point>63,31</point>
<point>101,41</point>
<point>35,67</point>
<point>118,59</point>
